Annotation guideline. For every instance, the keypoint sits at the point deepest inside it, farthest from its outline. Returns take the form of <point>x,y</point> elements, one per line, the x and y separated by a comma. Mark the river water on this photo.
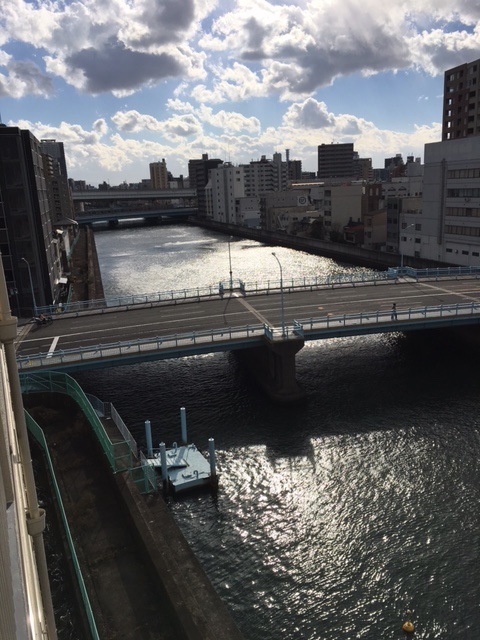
<point>334,516</point>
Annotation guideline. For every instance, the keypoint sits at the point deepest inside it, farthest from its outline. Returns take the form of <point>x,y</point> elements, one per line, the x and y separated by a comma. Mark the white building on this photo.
<point>263,176</point>
<point>451,202</point>
<point>225,187</point>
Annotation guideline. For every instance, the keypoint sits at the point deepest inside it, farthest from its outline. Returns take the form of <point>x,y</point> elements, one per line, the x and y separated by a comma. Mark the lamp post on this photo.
<point>230,262</point>
<point>281,294</point>
<point>31,287</point>
<point>401,251</point>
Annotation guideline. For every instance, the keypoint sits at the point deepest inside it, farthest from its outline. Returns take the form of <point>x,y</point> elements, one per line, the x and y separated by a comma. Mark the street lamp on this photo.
<point>281,294</point>
<point>31,287</point>
<point>230,262</point>
<point>401,251</point>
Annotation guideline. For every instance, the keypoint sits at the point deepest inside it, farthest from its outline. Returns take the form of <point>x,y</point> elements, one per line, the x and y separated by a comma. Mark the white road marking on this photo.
<point>248,306</point>
<point>52,347</point>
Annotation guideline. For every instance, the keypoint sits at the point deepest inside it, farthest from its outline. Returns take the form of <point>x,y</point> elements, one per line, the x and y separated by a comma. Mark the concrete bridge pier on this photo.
<point>273,367</point>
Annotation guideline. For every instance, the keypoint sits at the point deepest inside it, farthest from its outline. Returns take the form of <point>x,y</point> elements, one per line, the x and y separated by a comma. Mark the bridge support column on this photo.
<point>273,367</point>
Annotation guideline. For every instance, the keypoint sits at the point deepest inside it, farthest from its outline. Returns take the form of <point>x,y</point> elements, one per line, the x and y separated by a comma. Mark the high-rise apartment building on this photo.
<point>336,160</point>
<point>461,102</point>
<point>28,242</point>
<point>227,187</point>
<point>263,176</point>
<point>57,151</point>
<point>159,175</point>
<point>198,177</point>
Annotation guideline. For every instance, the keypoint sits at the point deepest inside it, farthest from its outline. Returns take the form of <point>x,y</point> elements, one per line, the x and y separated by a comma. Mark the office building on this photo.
<point>335,161</point>
<point>198,178</point>
<point>57,151</point>
<point>264,175</point>
<point>28,241</point>
<point>158,175</point>
<point>450,219</point>
<point>461,102</point>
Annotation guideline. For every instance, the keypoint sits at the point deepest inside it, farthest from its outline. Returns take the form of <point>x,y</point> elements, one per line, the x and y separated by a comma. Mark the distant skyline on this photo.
<point>127,82</point>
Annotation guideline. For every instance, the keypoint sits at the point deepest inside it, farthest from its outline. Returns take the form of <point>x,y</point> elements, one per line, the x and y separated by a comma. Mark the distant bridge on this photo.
<point>115,215</point>
<point>96,195</point>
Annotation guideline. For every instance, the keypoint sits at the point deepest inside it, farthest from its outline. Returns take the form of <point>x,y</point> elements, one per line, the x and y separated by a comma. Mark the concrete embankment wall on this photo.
<point>86,277</point>
<point>341,252</point>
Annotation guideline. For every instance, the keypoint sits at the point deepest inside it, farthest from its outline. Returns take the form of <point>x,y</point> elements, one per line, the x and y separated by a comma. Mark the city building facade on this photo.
<point>451,202</point>
<point>28,241</point>
<point>461,102</point>
<point>198,178</point>
<point>336,161</point>
<point>159,175</point>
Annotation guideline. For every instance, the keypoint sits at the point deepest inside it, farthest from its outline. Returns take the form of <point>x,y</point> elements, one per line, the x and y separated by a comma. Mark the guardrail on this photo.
<point>230,336</point>
<point>255,288</point>
<point>144,346</point>
<point>326,323</point>
<point>220,290</point>
<point>441,272</point>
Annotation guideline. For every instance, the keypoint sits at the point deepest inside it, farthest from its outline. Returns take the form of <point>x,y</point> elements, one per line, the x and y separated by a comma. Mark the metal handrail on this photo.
<point>144,345</point>
<point>381,317</point>
<point>252,288</point>
<point>179,341</point>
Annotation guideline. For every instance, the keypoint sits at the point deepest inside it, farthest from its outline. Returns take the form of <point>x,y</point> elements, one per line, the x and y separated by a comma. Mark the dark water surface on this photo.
<point>335,515</point>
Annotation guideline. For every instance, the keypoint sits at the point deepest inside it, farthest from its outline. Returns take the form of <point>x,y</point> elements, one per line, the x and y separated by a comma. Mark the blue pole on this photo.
<point>211,451</point>
<point>163,458</point>
<point>183,419</point>
<point>148,437</point>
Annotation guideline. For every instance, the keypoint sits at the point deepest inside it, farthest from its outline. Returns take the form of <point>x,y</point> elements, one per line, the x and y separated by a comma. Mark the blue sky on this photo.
<point>126,82</point>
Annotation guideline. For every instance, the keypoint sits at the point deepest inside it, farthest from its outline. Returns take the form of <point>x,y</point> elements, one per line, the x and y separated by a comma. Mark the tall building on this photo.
<point>461,102</point>
<point>28,241</point>
<point>159,175</point>
<point>336,160</point>
<point>57,151</point>
<point>199,176</point>
<point>227,185</point>
<point>58,189</point>
<point>263,176</point>
<point>450,218</point>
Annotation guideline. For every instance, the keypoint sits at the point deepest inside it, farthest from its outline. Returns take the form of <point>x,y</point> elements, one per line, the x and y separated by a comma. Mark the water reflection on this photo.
<point>335,515</point>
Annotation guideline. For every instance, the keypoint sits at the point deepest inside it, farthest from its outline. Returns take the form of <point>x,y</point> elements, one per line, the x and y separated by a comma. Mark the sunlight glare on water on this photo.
<point>335,515</point>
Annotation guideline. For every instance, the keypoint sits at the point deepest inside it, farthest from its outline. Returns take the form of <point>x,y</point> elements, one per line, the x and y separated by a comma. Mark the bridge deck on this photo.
<point>125,335</point>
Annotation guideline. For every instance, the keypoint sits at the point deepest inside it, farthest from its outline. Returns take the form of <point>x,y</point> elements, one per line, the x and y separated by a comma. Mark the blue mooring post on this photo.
<point>183,418</point>
<point>163,458</point>
<point>148,437</point>
<point>211,451</point>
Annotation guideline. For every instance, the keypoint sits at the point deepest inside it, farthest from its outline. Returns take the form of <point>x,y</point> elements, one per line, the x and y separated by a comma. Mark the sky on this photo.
<point>127,82</point>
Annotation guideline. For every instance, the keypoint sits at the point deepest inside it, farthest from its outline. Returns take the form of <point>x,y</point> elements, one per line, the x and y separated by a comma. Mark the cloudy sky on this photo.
<point>127,82</point>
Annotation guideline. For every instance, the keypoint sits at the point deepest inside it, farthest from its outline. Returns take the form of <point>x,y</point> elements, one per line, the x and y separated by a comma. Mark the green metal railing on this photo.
<point>120,455</point>
<point>39,436</point>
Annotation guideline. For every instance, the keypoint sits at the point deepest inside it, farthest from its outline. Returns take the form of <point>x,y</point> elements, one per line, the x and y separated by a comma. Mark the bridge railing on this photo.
<point>440,272</point>
<point>220,289</point>
<point>143,346</point>
<point>382,317</point>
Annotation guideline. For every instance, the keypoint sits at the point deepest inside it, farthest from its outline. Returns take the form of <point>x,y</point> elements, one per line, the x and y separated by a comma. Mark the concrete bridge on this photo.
<point>114,216</point>
<point>119,195</point>
<point>266,325</point>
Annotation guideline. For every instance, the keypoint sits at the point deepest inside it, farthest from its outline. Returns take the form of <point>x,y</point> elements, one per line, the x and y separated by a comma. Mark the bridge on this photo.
<point>98,195</point>
<point>113,216</point>
<point>265,324</point>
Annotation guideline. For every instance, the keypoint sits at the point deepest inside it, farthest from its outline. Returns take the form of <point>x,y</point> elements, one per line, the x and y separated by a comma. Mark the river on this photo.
<point>334,516</point>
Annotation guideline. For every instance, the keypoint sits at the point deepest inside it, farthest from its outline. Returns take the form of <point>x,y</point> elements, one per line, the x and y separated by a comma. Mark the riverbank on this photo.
<point>86,279</point>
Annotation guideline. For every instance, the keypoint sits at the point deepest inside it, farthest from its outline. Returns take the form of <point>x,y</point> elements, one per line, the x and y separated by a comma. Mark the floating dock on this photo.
<point>183,466</point>
<point>186,467</point>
